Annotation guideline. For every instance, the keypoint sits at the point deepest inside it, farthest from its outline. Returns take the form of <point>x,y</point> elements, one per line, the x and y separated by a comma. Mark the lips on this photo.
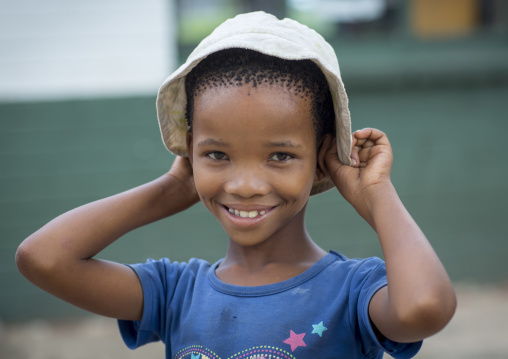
<point>248,212</point>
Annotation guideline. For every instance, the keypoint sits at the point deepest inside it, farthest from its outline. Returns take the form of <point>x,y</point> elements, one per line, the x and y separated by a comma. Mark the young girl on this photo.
<point>259,120</point>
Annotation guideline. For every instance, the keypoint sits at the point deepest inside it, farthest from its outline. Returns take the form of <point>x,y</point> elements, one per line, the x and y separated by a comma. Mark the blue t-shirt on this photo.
<point>321,313</point>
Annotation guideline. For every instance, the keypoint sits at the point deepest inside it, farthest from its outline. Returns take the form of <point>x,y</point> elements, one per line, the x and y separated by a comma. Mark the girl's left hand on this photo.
<point>371,158</point>
<point>411,307</point>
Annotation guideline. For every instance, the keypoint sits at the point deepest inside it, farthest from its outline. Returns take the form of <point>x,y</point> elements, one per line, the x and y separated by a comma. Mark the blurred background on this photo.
<point>78,82</point>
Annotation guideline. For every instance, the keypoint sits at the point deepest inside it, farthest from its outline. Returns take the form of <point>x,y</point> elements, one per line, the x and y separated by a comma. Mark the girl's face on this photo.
<point>253,155</point>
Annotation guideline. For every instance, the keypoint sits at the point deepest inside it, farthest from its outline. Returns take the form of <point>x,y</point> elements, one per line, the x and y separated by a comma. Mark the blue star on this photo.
<point>318,329</point>
<point>195,356</point>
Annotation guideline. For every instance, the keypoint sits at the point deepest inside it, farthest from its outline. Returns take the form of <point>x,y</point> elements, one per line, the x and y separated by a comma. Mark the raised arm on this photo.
<point>59,257</point>
<point>419,299</point>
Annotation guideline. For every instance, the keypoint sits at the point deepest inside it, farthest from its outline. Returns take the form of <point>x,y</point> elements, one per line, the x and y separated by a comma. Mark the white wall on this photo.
<point>66,49</point>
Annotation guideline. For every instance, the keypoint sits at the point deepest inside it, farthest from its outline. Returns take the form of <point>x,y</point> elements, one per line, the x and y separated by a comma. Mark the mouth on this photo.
<point>243,213</point>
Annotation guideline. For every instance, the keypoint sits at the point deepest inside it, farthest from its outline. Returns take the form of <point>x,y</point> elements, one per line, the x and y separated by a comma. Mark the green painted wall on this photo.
<point>450,170</point>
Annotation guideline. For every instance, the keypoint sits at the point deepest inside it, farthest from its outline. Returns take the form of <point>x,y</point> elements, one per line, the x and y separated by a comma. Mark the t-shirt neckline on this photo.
<point>262,290</point>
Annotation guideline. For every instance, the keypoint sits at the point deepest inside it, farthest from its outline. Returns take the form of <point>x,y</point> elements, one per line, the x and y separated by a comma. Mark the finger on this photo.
<point>365,142</point>
<point>354,152</point>
<point>365,154</point>
<point>372,134</point>
<point>355,159</point>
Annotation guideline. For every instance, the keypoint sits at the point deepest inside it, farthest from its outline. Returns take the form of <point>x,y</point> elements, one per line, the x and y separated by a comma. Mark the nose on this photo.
<point>247,182</point>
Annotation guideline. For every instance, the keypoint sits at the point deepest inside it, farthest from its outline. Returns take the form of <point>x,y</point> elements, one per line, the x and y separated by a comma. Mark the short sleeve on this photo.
<point>159,281</point>
<point>367,279</point>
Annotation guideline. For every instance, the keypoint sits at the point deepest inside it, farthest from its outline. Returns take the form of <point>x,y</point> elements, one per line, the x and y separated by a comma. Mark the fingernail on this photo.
<point>353,162</point>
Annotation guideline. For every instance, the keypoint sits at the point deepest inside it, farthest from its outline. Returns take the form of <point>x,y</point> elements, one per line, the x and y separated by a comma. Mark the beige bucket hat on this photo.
<point>262,32</point>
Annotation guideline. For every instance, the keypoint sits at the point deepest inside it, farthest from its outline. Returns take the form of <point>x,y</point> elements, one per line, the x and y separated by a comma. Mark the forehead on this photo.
<point>246,110</point>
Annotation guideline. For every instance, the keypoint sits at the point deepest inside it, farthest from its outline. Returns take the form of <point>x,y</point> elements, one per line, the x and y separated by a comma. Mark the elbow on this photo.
<point>32,262</point>
<point>421,315</point>
<point>23,258</point>
<point>26,260</point>
<point>430,313</point>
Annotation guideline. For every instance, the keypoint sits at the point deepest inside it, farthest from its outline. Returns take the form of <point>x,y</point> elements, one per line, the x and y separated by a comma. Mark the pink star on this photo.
<point>295,340</point>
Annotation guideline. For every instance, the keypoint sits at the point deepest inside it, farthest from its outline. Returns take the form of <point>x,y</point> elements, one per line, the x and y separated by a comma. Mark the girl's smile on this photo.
<point>246,219</point>
<point>246,213</point>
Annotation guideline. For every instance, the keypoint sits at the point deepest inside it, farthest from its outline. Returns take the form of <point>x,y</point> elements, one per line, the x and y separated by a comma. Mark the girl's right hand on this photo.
<point>181,170</point>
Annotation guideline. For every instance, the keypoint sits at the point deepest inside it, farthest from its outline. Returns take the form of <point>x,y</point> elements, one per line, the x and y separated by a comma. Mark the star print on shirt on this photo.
<point>195,356</point>
<point>318,329</point>
<point>295,340</point>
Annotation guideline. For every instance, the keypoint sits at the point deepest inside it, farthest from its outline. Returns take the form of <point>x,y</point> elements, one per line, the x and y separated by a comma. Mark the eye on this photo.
<point>281,157</point>
<point>216,155</point>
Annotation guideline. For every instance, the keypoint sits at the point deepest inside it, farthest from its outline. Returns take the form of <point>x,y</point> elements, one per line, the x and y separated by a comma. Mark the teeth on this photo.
<point>246,214</point>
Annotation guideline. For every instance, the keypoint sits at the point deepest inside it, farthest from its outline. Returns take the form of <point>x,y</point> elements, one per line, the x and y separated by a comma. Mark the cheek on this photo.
<point>207,184</point>
<point>202,186</point>
<point>298,183</point>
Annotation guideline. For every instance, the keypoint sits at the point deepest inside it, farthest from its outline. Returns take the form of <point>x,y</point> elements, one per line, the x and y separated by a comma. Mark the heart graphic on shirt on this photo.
<point>261,352</point>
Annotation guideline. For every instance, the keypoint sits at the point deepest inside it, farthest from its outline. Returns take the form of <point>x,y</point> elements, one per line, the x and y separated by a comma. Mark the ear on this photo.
<point>321,170</point>
<point>188,141</point>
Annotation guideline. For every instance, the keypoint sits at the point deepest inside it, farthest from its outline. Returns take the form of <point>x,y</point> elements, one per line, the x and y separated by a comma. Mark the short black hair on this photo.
<point>236,67</point>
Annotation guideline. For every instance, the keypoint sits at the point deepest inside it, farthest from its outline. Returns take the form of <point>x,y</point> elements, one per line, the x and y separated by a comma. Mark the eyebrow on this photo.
<point>283,144</point>
<point>214,142</point>
<point>211,142</point>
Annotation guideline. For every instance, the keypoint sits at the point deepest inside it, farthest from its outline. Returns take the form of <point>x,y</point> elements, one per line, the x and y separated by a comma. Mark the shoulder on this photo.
<point>164,270</point>
<point>357,266</point>
<point>357,278</point>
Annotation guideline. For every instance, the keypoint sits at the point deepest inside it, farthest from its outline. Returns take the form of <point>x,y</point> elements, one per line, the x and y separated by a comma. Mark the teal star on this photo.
<point>318,329</point>
<point>195,356</point>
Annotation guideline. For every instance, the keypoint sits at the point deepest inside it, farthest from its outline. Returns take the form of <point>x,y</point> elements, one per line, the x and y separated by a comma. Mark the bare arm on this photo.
<point>419,299</point>
<point>59,257</point>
